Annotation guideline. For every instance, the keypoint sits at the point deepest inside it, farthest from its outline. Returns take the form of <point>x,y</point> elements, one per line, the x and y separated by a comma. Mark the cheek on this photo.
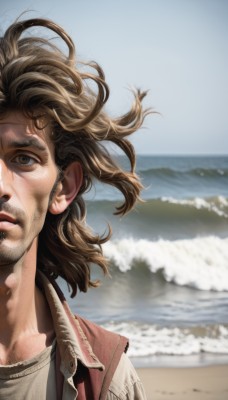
<point>38,195</point>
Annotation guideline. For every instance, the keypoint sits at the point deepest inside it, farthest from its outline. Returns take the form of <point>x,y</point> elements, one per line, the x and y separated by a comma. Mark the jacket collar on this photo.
<point>71,340</point>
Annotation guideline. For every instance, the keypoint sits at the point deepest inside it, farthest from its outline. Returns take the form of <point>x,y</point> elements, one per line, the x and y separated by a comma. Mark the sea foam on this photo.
<point>147,340</point>
<point>217,205</point>
<point>200,263</point>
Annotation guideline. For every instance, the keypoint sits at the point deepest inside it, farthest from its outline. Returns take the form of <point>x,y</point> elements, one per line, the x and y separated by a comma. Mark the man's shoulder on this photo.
<point>120,380</point>
<point>108,348</point>
<point>125,384</point>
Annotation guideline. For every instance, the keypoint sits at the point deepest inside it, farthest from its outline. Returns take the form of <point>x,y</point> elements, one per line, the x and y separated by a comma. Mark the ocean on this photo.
<point>168,290</point>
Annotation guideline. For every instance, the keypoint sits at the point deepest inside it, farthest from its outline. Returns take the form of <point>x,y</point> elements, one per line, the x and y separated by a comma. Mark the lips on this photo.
<point>5,218</point>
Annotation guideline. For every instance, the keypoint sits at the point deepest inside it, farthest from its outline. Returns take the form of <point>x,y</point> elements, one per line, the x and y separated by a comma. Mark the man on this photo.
<point>52,126</point>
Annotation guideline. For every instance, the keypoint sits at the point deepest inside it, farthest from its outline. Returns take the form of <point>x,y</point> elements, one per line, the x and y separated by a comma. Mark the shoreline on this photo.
<point>179,361</point>
<point>188,383</point>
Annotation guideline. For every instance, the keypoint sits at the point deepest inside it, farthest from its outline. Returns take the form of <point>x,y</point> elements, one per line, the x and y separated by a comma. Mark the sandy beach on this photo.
<point>201,383</point>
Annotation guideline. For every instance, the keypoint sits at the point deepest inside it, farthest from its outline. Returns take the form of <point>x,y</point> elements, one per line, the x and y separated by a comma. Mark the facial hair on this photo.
<point>7,255</point>
<point>2,235</point>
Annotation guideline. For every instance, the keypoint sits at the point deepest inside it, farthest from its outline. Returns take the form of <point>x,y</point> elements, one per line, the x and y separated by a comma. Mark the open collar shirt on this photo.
<point>74,347</point>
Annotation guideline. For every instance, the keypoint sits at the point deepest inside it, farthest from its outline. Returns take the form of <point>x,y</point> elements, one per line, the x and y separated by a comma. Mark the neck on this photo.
<point>17,294</point>
<point>23,311</point>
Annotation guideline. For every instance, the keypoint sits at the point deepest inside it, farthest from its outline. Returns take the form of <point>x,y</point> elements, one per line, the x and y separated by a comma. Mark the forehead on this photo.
<point>16,126</point>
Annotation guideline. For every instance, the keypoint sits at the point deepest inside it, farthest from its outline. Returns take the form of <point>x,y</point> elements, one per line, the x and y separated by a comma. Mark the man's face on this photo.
<point>27,176</point>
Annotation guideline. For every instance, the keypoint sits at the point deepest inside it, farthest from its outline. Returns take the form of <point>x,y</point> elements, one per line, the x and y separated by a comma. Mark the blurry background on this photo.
<point>168,258</point>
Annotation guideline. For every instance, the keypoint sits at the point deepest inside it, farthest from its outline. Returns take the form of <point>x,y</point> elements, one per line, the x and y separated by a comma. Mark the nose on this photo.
<point>5,188</point>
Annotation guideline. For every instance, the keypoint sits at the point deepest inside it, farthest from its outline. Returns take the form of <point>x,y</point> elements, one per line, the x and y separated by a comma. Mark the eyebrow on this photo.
<point>30,142</point>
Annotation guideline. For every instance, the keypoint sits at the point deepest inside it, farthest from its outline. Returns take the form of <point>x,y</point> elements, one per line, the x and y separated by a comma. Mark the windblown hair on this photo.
<point>38,79</point>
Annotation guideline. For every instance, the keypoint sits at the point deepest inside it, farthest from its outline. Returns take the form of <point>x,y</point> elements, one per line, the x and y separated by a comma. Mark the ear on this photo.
<point>67,189</point>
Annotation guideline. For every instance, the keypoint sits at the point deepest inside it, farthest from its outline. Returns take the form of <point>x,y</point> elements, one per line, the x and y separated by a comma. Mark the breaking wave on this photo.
<point>200,263</point>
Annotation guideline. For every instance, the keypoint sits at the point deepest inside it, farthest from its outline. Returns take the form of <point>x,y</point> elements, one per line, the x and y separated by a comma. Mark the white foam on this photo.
<point>147,340</point>
<point>218,205</point>
<point>201,263</point>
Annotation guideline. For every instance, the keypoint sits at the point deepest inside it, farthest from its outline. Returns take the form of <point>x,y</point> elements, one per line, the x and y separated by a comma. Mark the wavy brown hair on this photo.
<point>38,79</point>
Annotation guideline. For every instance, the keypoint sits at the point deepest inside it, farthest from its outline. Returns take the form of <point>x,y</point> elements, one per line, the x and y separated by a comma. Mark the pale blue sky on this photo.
<point>178,49</point>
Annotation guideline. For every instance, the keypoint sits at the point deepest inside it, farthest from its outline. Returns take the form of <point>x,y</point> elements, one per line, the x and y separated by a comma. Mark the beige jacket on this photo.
<point>125,384</point>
